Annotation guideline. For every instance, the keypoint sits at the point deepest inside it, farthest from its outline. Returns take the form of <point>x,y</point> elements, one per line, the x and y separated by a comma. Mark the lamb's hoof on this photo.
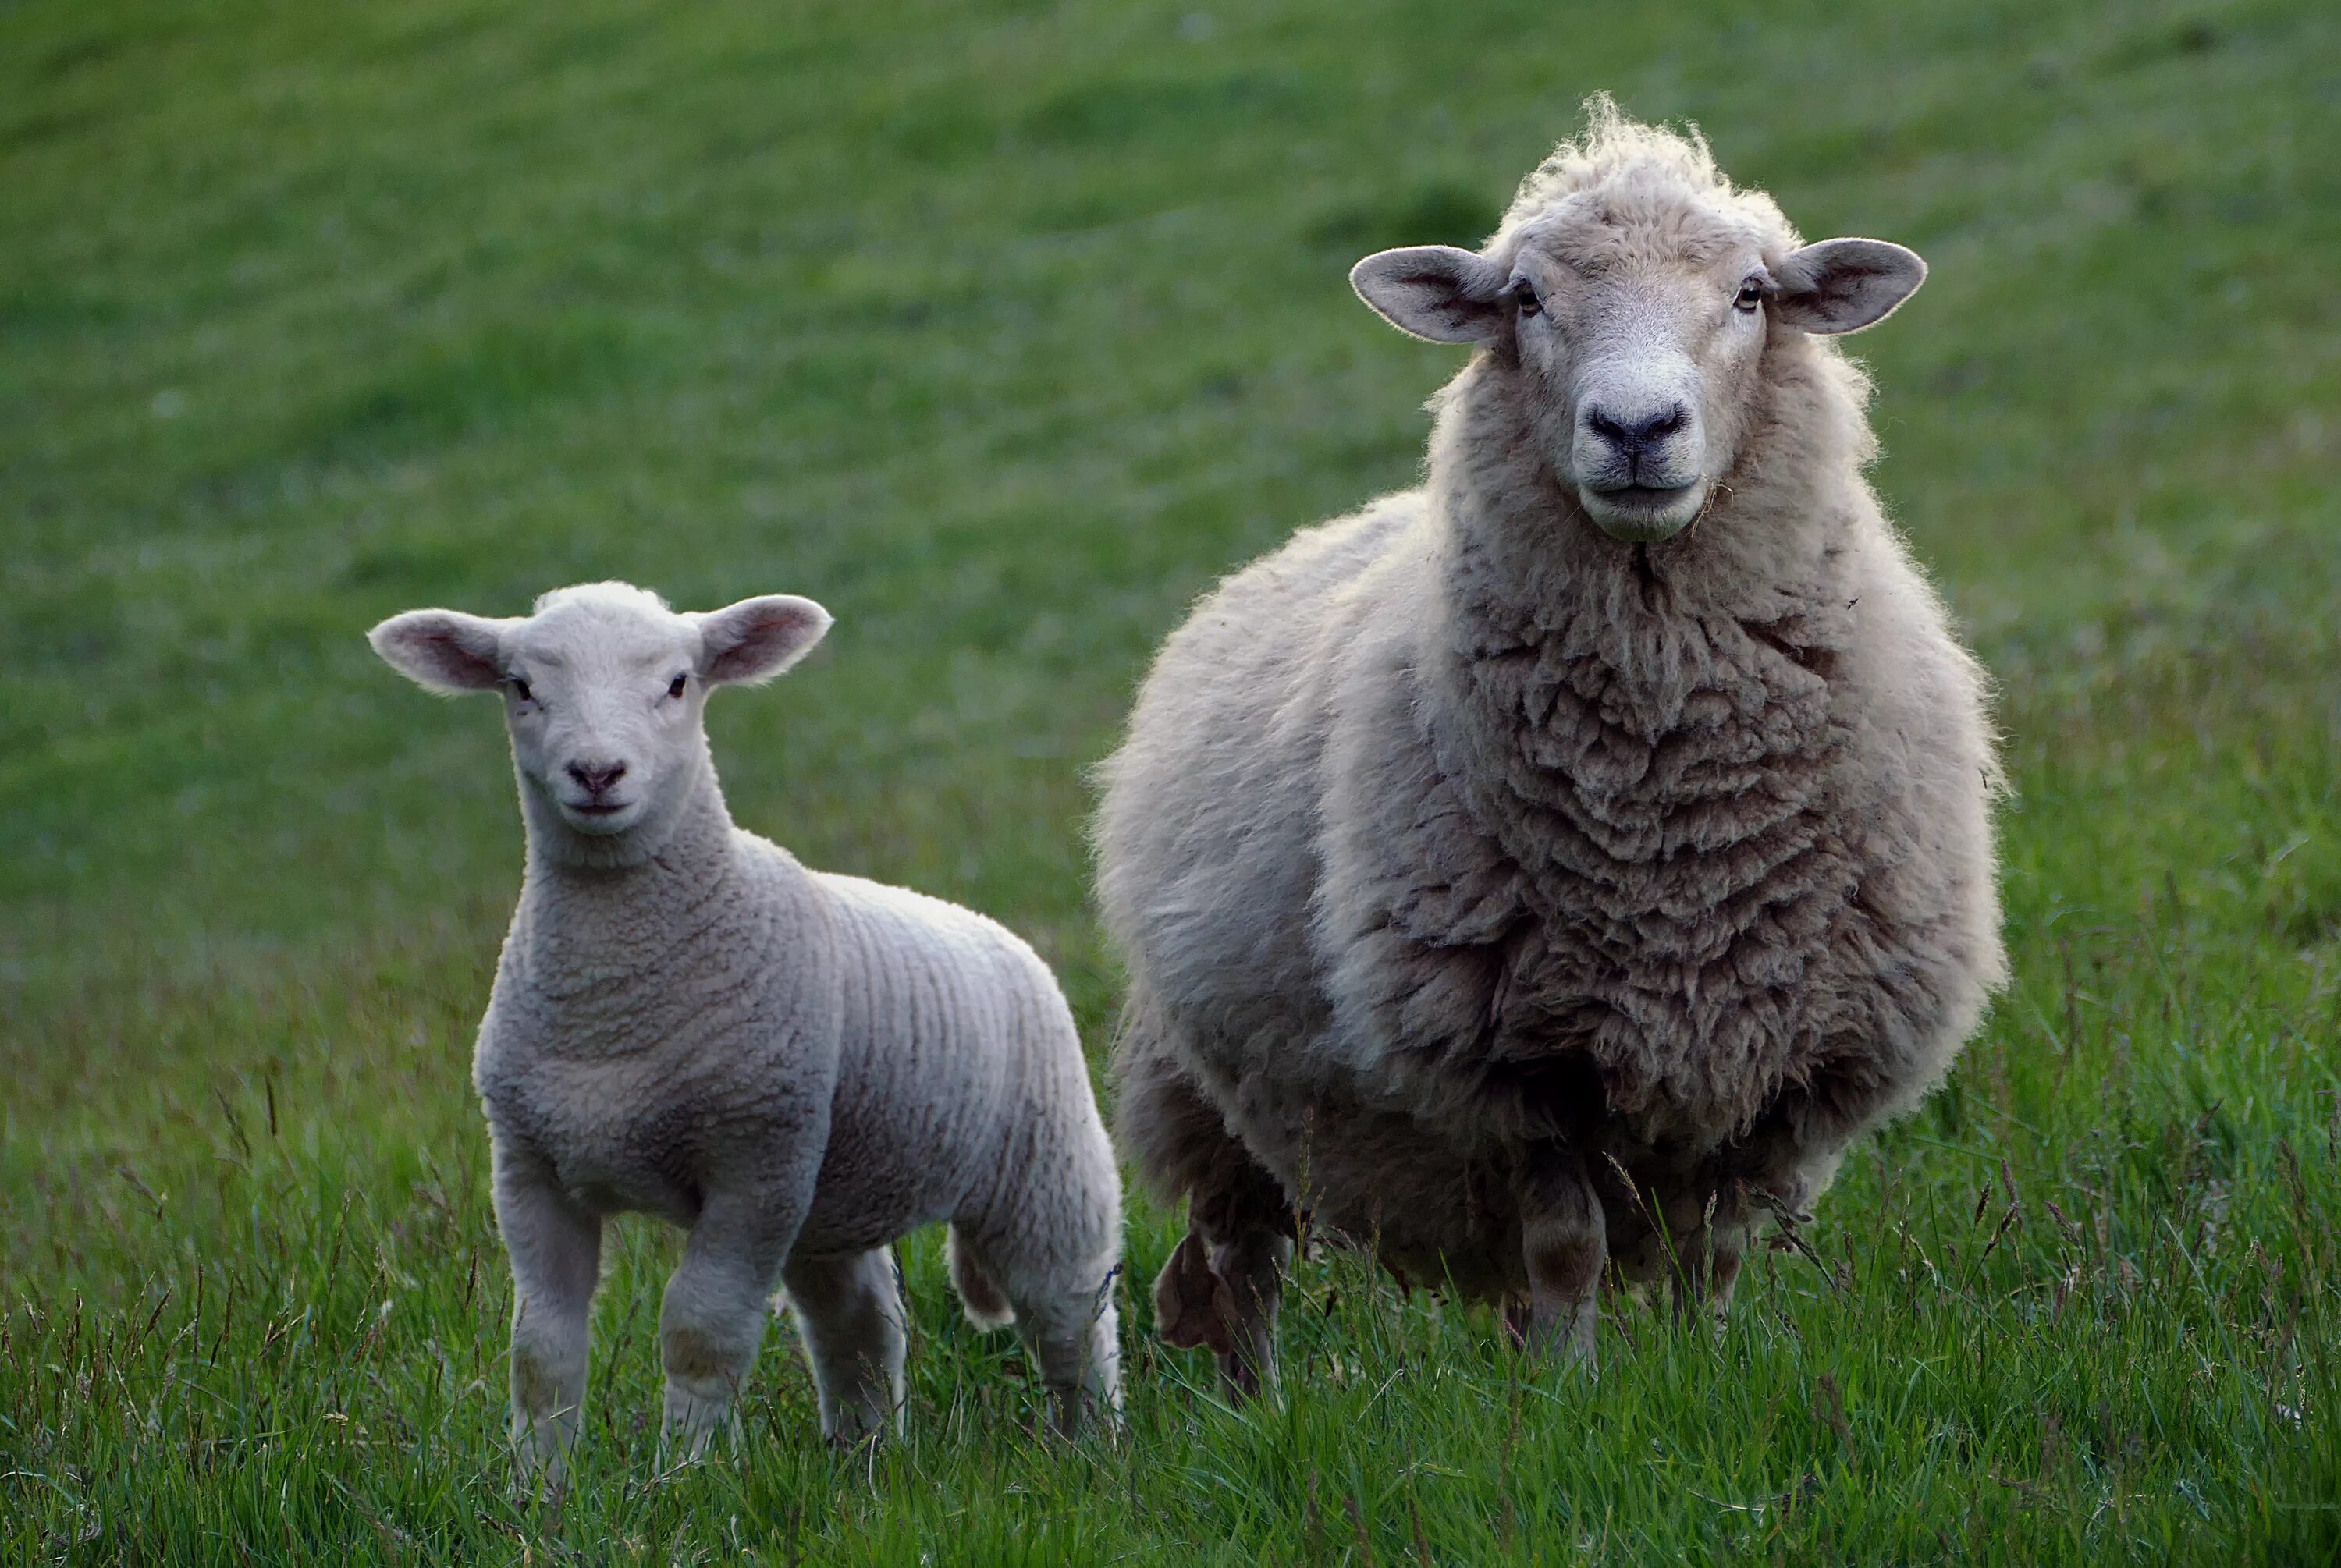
<point>1192,1304</point>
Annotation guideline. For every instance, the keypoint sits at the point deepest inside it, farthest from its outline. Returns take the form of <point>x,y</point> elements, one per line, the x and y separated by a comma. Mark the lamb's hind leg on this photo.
<point>849,1311</point>
<point>1564,1244</point>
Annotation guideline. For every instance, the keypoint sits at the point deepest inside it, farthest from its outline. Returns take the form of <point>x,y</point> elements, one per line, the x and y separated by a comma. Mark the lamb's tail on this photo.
<point>986,1308</point>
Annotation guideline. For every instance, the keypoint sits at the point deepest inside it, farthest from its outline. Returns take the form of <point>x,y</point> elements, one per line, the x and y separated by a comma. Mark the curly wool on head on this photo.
<point>613,595</point>
<point>1628,163</point>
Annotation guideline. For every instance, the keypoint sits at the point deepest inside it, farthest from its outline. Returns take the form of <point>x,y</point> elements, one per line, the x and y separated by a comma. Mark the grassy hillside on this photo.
<point>1003,328</point>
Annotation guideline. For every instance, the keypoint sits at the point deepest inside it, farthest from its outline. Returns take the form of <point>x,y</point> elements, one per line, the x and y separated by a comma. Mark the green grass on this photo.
<point>1002,329</point>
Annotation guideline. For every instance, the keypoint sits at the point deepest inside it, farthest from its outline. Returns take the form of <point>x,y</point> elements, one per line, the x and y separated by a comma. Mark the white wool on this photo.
<point>797,1066</point>
<point>1527,877</point>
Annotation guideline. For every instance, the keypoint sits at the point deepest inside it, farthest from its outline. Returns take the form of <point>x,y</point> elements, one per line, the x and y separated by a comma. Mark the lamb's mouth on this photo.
<point>597,815</point>
<point>1642,513</point>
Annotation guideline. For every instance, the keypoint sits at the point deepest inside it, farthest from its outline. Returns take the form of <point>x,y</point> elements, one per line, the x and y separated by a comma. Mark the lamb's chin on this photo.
<point>1639,515</point>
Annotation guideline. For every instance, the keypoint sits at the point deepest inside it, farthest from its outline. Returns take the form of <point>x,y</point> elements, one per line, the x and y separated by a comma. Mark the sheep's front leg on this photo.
<point>1564,1242</point>
<point>1713,1224</point>
<point>850,1313</point>
<point>556,1248</point>
<point>711,1323</point>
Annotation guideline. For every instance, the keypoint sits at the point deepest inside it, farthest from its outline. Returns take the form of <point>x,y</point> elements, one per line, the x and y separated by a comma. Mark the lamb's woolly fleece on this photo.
<point>1455,828</point>
<point>800,1068</point>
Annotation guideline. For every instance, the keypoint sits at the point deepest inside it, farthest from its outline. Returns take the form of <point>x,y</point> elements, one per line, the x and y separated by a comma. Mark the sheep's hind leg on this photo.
<point>849,1311</point>
<point>1224,1284</point>
<point>1225,1281</point>
<point>555,1248</point>
<point>1564,1244</point>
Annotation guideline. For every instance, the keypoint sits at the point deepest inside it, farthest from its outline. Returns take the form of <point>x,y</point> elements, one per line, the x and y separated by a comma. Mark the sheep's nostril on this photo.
<point>1633,437</point>
<point>595,779</point>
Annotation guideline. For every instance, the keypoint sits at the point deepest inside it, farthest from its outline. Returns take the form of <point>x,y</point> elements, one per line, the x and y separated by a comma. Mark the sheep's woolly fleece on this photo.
<point>1456,826</point>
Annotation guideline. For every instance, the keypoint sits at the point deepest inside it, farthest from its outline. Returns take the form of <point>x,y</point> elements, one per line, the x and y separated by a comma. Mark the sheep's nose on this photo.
<point>1634,435</point>
<point>595,778</point>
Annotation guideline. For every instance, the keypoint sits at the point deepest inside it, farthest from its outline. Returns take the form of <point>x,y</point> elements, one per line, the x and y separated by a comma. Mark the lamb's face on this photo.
<point>604,691</point>
<point>1627,328</point>
<point>604,702</point>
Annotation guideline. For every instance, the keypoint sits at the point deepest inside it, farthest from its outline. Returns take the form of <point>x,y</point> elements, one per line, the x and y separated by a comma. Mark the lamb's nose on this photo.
<point>595,778</point>
<point>1633,436</point>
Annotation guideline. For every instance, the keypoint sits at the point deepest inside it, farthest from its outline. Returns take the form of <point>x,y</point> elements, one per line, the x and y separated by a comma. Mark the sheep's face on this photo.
<point>604,691</point>
<point>1628,337</point>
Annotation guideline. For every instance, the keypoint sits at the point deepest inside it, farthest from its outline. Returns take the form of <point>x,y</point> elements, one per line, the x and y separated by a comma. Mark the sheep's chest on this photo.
<point>1686,865</point>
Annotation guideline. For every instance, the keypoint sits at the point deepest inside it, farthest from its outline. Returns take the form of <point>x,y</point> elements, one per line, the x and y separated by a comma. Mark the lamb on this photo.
<point>1548,872</point>
<point>795,1065</point>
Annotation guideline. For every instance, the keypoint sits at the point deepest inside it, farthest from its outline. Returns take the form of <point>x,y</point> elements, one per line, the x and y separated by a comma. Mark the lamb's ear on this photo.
<point>443,651</point>
<point>1845,285</point>
<point>1436,291</point>
<point>757,638</point>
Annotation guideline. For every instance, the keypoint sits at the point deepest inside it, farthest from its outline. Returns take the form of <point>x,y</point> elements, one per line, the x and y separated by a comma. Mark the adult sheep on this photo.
<point>1549,870</point>
<point>795,1065</point>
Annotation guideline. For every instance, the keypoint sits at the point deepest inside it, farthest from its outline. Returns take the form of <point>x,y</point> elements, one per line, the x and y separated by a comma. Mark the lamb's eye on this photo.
<point>520,688</point>
<point>674,687</point>
<point>1751,294</point>
<point>1524,297</point>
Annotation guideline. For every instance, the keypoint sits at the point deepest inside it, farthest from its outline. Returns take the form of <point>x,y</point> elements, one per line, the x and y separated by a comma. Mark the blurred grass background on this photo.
<point>1003,330</point>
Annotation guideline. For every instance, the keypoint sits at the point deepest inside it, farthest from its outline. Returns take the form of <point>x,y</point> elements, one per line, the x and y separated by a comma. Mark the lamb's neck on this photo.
<point>588,937</point>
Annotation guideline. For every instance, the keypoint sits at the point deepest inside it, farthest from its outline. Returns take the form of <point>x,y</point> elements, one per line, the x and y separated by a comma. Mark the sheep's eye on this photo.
<point>519,689</point>
<point>1524,297</point>
<point>674,687</point>
<point>1751,294</point>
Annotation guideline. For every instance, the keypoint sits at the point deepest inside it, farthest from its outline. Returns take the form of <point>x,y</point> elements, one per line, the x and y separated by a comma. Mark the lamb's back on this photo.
<point>953,1033</point>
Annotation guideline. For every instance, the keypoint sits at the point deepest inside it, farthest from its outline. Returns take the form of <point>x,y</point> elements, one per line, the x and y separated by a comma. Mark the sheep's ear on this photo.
<point>442,650</point>
<point>1436,291</point>
<point>1845,285</point>
<point>757,638</point>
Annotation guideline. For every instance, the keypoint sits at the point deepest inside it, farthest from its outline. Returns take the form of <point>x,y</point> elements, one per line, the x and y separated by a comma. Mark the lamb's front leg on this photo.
<point>556,1248</point>
<point>711,1323</point>
<point>849,1310</point>
<point>1564,1242</point>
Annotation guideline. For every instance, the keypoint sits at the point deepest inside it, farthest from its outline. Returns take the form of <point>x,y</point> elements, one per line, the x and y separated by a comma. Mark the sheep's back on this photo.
<point>1206,834</point>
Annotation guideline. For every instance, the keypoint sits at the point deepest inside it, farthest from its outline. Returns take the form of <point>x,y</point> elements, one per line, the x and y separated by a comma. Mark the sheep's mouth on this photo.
<point>1643,513</point>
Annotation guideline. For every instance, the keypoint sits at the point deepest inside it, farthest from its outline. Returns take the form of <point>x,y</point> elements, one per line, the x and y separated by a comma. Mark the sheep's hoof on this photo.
<point>1192,1304</point>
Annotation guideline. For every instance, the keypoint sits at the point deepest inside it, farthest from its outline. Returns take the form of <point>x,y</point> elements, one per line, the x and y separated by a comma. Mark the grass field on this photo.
<point>1003,328</point>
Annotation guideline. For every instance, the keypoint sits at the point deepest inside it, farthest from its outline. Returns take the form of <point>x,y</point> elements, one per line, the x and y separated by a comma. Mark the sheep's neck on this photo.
<point>1631,689</point>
